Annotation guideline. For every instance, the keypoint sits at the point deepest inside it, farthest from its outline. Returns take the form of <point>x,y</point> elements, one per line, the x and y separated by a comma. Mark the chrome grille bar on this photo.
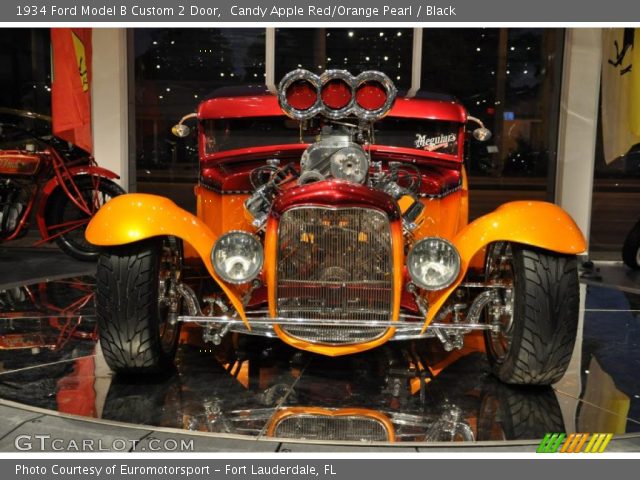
<point>335,263</point>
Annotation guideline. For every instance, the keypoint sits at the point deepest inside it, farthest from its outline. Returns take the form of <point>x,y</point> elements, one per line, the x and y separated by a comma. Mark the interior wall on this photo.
<point>110,101</point>
<point>578,123</point>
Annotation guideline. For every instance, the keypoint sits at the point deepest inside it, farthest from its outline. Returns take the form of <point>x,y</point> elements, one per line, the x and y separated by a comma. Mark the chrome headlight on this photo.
<point>237,257</point>
<point>433,263</point>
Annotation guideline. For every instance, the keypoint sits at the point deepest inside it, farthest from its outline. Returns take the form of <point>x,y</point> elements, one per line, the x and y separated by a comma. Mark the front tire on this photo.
<point>539,316</point>
<point>631,248</point>
<point>137,305</point>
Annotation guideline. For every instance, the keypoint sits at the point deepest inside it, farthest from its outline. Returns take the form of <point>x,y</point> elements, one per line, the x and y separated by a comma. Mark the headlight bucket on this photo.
<point>433,263</point>
<point>237,257</point>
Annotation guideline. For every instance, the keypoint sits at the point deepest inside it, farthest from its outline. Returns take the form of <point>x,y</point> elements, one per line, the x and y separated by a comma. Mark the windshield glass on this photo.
<point>230,134</point>
<point>427,135</point>
<point>234,133</point>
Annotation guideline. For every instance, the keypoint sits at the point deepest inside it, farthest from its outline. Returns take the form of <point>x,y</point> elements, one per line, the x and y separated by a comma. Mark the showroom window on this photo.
<point>616,198</point>
<point>25,69</point>
<point>175,69</point>
<point>357,49</point>
<point>510,79</point>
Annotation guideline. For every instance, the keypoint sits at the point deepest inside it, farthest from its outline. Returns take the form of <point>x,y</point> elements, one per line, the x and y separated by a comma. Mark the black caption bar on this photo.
<point>319,11</point>
<point>307,469</point>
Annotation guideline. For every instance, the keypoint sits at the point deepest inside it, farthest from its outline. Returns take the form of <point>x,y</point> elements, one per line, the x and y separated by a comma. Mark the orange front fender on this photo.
<point>537,224</point>
<point>137,216</point>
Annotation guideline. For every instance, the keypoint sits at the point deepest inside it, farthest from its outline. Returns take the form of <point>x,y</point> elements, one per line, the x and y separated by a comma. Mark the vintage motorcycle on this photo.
<point>58,182</point>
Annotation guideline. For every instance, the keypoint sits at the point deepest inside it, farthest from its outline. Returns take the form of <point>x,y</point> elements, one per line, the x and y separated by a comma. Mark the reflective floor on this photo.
<point>401,392</point>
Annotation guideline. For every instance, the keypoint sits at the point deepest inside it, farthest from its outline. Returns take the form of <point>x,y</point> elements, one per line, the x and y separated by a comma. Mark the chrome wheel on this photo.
<point>169,299</point>
<point>501,311</point>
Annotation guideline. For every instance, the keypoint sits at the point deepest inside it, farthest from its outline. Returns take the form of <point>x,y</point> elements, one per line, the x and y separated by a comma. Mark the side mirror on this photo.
<point>180,130</point>
<point>482,134</point>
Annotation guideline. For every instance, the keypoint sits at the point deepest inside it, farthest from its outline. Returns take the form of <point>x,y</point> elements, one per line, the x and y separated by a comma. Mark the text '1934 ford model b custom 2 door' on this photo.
<point>334,216</point>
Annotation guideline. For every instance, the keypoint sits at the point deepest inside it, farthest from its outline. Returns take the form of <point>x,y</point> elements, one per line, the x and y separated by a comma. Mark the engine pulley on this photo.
<point>350,163</point>
<point>336,155</point>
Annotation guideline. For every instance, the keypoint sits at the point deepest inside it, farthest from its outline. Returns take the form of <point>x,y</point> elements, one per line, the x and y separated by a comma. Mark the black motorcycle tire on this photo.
<point>73,243</point>
<point>631,248</point>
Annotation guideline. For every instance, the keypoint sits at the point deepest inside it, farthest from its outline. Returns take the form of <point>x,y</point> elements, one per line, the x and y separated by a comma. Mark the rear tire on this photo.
<point>536,342</point>
<point>631,248</point>
<point>60,209</point>
<point>138,333</point>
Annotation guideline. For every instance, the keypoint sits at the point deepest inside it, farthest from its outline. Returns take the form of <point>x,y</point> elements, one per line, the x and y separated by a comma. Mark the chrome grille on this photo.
<point>334,264</point>
<point>349,428</point>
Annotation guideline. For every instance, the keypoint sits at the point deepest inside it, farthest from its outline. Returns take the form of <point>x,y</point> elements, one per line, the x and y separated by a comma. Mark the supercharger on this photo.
<point>335,154</point>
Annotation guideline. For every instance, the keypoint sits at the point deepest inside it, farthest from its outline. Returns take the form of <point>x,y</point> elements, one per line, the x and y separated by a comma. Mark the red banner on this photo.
<point>71,87</point>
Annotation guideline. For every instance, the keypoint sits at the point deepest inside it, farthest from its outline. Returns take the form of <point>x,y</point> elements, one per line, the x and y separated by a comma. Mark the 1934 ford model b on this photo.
<point>334,216</point>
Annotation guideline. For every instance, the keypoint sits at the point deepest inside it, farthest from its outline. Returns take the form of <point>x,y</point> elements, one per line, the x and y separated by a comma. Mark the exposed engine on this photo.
<point>12,206</point>
<point>336,154</point>
<point>350,106</point>
<point>340,153</point>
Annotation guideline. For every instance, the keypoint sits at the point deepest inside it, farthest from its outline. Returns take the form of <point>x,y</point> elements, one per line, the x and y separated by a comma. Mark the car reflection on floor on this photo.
<point>401,392</point>
<point>376,396</point>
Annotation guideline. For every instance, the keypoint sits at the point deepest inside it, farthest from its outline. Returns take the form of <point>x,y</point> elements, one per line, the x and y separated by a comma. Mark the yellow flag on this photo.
<point>81,60</point>
<point>620,100</point>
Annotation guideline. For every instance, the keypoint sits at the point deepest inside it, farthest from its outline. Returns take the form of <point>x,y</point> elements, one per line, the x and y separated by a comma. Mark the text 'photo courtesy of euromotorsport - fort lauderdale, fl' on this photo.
<point>333,12</point>
<point>127,470</point>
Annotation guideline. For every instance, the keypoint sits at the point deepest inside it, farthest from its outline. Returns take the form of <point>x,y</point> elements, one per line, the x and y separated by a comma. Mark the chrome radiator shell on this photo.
<point>334,263</point>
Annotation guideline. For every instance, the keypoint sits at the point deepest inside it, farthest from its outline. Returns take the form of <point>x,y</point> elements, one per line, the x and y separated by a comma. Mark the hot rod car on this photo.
<point>334,216</point>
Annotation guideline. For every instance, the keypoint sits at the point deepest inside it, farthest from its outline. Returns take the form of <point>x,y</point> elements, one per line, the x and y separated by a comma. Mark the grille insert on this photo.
<point>335,264</point>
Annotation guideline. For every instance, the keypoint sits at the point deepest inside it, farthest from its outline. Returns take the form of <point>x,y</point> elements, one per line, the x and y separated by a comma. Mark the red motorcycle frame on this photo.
<point>37,178</point>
